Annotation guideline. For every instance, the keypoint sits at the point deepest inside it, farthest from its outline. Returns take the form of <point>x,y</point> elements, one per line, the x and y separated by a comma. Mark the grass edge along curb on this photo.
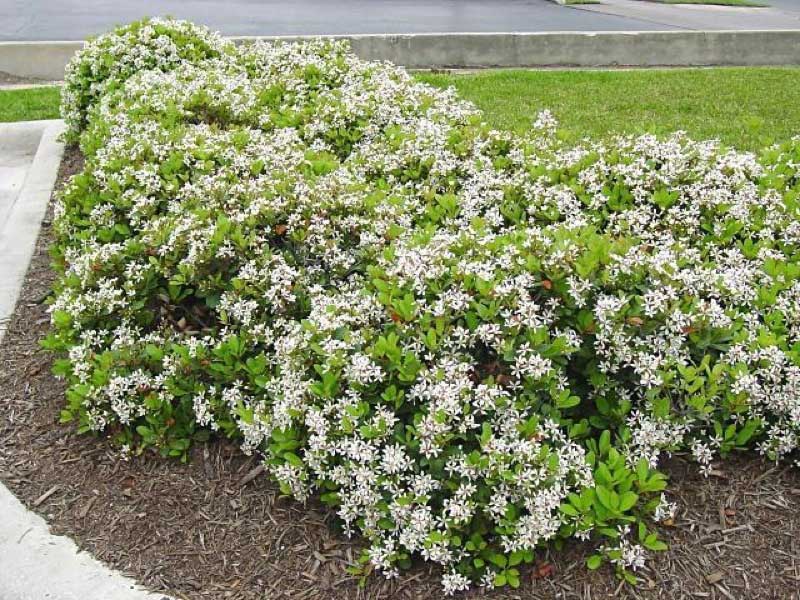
<point>29,104</point>
<point>469,343</point>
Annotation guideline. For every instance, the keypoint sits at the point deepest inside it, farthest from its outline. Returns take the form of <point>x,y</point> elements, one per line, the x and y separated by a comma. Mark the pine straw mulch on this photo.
<point>215,527</point>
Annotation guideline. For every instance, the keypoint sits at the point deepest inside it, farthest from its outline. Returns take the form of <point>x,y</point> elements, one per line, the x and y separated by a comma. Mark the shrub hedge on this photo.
<point>469,343</point>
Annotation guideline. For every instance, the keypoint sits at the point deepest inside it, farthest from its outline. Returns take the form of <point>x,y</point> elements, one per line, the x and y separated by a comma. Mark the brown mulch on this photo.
<point>209,529</point>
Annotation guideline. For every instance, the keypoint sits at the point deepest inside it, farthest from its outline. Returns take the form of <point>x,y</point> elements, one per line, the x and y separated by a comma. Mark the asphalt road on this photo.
<point>78,19</point>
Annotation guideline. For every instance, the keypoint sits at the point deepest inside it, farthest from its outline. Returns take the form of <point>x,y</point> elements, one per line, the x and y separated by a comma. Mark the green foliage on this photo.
<point>105,63</point>
<point>468,343</point>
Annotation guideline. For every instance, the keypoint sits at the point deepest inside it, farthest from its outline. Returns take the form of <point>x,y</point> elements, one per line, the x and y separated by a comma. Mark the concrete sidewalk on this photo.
<point>34,564</point>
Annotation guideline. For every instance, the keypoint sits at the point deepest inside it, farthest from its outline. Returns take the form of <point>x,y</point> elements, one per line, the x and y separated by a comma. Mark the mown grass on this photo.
<point>747,108</point>
<point>29,104</point>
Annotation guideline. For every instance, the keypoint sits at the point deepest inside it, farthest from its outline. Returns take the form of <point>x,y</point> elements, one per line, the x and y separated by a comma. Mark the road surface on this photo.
<point>78,19</point>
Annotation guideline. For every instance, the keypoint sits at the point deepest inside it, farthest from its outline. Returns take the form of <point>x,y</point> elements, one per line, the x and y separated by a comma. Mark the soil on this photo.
<point>216,528</point>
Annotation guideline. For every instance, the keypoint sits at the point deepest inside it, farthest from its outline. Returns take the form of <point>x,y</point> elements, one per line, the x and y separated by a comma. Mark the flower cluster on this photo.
<point>105,63</point>
<point>469,343</point>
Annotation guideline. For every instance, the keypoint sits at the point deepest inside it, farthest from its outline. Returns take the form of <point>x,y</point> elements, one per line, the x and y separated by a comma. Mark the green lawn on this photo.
<point>29,104</point>
<point>744,107</point>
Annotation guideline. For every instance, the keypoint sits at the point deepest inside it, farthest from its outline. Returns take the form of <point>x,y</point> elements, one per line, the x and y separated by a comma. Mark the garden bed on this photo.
<point>475,347</point>
<point>208,529</point>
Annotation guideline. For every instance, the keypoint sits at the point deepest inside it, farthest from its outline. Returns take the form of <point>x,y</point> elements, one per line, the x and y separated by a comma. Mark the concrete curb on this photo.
<point>20,222</point>
<point>46,60</point>
<point>37,60</point>
<point>34,564</point>
<point>38,565</point>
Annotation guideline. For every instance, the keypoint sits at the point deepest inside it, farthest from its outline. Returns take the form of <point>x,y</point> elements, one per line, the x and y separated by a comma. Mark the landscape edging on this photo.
<point>46,60</point>
<point>35,563</point>
<point>18,232</point>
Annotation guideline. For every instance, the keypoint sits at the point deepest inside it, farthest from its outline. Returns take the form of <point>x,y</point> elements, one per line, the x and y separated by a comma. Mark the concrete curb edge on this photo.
<point>34,563</point>
<point>20,230</point>
<point>46,60</point>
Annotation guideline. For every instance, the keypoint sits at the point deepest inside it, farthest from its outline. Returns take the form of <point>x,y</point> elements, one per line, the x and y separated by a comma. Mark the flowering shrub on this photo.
<point>105,63</point>
<point>469,343</point>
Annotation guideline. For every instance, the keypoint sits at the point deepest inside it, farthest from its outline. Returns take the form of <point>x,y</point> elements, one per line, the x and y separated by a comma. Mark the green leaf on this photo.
<point>627,500</point>
<point>747,432</point>
<point>565,400</point>
<point>568,509</point>
<point>605,442</point>
<point>651,542</point>
<point>498,560</point>
<point>606,497</point>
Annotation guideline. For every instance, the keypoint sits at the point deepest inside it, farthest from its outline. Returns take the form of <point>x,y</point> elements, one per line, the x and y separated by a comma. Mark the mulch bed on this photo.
<point>214,527</point>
